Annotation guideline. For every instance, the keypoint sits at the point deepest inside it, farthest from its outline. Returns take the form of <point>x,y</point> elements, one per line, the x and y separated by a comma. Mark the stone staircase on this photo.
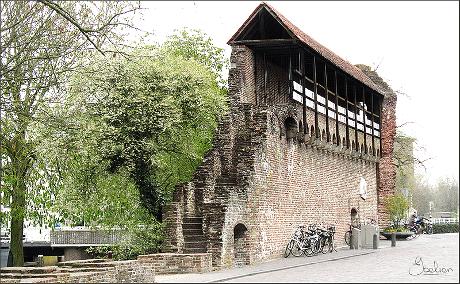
<point>192,229</point>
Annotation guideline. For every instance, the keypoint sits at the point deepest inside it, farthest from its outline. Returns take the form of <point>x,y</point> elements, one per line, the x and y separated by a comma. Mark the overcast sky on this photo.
<point>414,44</point>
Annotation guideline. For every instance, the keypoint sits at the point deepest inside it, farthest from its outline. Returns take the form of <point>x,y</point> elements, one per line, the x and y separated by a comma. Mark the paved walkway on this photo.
<point>403,263</point>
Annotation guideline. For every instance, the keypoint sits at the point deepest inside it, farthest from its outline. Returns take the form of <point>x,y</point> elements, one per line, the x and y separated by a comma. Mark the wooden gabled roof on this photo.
<point>297,34</point>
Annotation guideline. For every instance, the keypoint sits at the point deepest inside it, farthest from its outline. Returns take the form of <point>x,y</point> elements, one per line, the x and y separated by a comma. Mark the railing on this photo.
<point>444,220</point>
<point>84,237</point>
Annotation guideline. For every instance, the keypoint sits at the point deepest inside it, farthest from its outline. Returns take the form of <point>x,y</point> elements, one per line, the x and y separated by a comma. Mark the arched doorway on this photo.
<point>240,245</point>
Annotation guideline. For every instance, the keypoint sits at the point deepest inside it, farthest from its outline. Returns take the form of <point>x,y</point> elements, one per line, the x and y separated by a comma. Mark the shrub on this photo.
<point>145,240</point>
<point>397,229</point>
<point>396,206</point>
<point>445,228</point>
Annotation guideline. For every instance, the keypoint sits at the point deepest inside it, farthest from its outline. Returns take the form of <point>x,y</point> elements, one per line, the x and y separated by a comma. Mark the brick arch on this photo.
<point>290,126</point>
<point>312,130</point>
<point>334,139</point>
<point>323,135</point>
<point>240,245</point>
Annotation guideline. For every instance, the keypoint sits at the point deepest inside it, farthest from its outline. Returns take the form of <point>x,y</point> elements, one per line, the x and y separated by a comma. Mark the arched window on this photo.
<point>291,127</point>
<point>312,131</point>
<point>323,135</point>
<point>300,127</point>
<point>334,139</point>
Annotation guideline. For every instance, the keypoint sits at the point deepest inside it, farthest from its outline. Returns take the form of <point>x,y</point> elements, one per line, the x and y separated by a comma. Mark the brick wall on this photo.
<point>169,263</point>
<point>88,271</point>
<point>258,178</point>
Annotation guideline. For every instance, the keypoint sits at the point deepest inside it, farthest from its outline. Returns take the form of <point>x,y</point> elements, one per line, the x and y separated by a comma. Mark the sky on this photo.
<point>414,46</point>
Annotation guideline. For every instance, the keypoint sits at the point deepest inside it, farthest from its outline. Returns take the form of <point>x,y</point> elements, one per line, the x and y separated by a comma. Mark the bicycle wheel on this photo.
<point>348,238</point>
<point>309,249</point>
<point>296,249</point>
<point>289,247</point>
<point>430,230</point>
<point>326,246</point>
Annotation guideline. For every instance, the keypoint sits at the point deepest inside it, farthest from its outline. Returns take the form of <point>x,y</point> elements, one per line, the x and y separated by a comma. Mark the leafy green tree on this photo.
<point>396,206</point>
<point>155,112</point>
<point>41,44</point>
<point>194,44</point>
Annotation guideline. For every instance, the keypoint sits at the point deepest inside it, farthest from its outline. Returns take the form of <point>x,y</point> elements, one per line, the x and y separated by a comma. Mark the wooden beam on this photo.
<point>347,131</point>
<point>304,97</point>
<point>372,123</point>
<point>315,92</point>
<point>380,125</point>
<point>364,119</point>
<point>266,42</point>
<point>327,102</point>
<point>291,83</point>
<point>356,119</point>
<point>265,79</point>
<point>336,110</point>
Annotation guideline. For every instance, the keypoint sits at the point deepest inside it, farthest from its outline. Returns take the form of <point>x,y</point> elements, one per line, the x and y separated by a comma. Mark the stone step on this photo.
<point>82,269</point>
<point>194,250</point>
<point>192,226</point>
<point>192,220</point>
<point>27,275</point>
<point>194,245</point>
<point>28,270</point>
<point>89,265</point>
<point>192,232</point>
<point>27,280</point>
<point>194,238</point>
<point>94,260</point>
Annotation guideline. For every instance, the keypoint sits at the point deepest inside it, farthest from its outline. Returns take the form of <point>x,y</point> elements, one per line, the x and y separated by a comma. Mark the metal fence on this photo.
<point>85,237</point>
<point>444,220</point>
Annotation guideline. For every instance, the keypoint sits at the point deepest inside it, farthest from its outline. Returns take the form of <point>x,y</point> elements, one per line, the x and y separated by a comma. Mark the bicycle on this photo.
<point>328,240</point>
<point>302,241</point>
<point>349,232</point>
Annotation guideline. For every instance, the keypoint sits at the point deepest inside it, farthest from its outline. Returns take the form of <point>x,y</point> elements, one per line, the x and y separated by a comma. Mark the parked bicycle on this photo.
<point>310,241</point>
<point>349,232</point>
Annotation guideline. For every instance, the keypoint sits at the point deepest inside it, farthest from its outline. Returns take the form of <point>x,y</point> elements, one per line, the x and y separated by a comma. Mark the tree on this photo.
<point>422,195</point>
<point>41,44</point>
<point>446,195</point>
<point>396,206</point>
<point>155,113</point>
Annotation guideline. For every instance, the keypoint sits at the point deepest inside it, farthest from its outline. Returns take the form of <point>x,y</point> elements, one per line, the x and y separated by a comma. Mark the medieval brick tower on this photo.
<point>305,129</point>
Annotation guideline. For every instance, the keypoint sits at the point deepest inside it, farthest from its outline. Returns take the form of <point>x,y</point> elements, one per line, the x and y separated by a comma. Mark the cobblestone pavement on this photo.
<point>403,263</point>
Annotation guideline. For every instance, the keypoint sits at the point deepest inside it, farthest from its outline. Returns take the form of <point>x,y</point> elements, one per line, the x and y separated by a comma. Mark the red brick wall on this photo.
<point>257,177</point>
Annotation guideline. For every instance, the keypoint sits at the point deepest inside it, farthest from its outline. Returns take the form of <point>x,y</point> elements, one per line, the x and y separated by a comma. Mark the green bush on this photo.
<point>397,229</point>
<point>144,240</point>
<point>445,228</point>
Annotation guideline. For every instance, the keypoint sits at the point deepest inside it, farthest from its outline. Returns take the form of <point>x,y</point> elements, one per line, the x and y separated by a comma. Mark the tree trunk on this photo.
<point>18,208</point>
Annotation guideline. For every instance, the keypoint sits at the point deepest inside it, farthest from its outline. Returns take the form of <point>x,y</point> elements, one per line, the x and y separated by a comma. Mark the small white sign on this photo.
<point>363,188</point>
